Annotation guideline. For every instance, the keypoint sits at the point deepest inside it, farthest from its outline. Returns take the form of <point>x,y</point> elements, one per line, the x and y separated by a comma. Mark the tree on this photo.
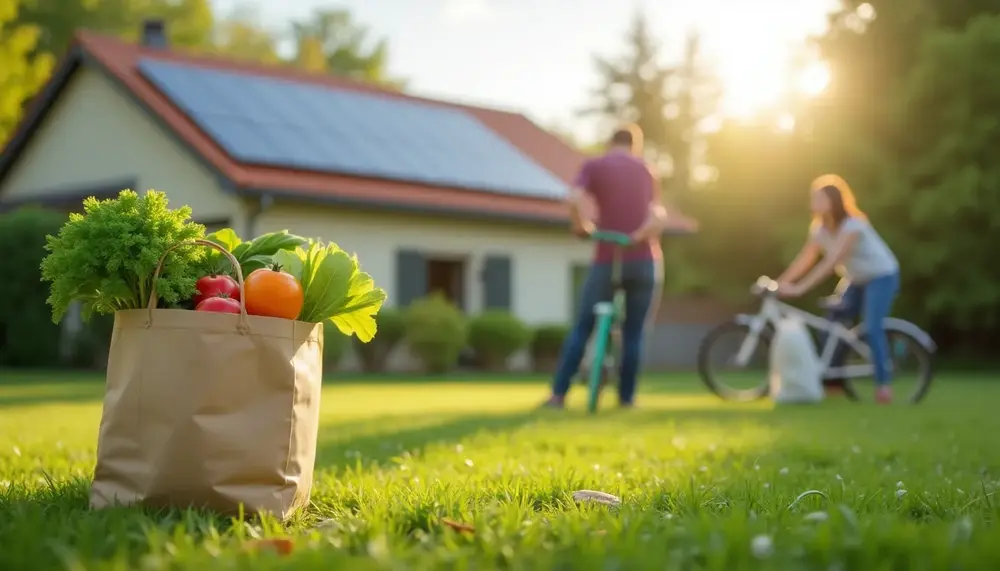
<point>189,22</point>
<point>948,179</point>
<point>635,88</point>
<point>697,94</point>
<point>332,37</point>
<point>668,102</point>
<point>240,36</point>
<point>25,69</point>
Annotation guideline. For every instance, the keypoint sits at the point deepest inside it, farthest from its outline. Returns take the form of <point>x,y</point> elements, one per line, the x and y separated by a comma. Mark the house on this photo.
<point>430,195</point>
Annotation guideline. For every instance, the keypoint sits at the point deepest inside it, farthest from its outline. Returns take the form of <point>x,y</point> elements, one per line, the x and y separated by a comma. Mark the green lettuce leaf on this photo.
<point>363,303</point>
<point>253,254</point>
<point>226,238</point>
<point>266,245</point>
<point>334,288</point>
<point>291,261</point>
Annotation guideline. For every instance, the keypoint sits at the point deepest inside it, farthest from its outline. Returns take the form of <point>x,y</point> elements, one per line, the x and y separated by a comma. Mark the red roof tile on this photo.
<point>121,59</point>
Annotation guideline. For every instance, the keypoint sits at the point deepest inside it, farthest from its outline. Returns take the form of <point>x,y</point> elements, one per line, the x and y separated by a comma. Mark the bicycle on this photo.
<point>757,330</point>
<point>606,350</point>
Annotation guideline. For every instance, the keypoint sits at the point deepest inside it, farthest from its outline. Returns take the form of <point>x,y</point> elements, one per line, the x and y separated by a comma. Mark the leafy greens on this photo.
<point>252,254</point>
<point>334,287</point>
<point>105,257</point>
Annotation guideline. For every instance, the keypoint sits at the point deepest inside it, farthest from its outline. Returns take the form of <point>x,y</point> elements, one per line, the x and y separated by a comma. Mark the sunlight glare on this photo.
<point>753,52</point>
<point>866,12</point>
<point>786,123</point>
<point>751,79</point>
<point>814,79</point>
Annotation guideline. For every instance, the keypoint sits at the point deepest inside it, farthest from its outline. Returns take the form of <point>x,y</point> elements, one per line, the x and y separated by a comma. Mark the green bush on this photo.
<point>435,332</point>
<point>391,330</point>
<point>546,343</point>
<point>496,335</point>
<point>28,338</point>
<point>334,347</point>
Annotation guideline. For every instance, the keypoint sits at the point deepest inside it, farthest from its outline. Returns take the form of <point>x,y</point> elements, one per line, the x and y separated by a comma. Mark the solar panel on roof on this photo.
<point>281,123</point>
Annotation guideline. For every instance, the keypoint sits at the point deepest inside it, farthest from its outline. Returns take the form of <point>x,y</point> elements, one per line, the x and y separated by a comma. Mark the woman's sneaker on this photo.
<point>883,395</point>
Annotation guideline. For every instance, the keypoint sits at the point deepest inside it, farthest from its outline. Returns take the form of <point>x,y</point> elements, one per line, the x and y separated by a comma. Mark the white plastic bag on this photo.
<point>795,366</point>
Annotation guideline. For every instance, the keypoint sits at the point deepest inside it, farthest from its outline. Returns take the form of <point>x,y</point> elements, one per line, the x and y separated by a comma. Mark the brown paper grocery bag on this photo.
<point>213,410</point>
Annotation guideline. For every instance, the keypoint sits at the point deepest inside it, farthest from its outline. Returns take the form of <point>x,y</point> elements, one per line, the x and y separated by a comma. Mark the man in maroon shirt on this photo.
<point>626,195</point>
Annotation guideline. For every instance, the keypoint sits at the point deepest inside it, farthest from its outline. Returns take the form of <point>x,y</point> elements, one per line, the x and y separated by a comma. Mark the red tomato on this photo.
<point>215,285</point>
<point>219,304</point>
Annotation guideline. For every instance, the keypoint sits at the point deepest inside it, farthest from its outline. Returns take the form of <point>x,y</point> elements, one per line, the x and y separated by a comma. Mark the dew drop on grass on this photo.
<point>900,493</point>
<point>816,516</point>
<point>762,546</point>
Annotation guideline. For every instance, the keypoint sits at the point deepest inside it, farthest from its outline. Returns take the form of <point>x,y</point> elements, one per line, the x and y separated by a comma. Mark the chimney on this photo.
<point>154,33</point>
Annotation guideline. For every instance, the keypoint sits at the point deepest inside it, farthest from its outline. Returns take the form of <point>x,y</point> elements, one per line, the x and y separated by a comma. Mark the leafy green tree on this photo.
<point>24,67</point>
<point>239,35</point>
<point>189,22</point>
<point>331,39</point>
<point>948,178</point>
<point>636,88</point>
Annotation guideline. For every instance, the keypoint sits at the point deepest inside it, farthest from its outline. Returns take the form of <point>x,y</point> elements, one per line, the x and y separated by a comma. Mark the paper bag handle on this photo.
<point>243,325</point>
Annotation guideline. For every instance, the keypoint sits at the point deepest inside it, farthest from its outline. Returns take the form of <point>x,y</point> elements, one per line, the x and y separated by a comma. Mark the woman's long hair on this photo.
<point>842,202</point>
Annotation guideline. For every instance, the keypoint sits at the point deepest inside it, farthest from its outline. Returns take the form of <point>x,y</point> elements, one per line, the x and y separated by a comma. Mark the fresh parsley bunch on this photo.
<point>105,257</point>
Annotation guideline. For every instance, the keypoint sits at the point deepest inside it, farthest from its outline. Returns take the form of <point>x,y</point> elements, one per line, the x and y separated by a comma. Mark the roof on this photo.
<point>119,61</point>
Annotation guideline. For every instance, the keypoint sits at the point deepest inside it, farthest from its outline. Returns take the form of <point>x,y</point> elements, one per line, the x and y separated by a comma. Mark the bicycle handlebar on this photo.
<point>621,239</point>
<point>611,237</point>
<point>764,287</point>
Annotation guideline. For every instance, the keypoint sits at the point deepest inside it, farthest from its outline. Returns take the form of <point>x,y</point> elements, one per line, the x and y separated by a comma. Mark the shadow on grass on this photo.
<point>413,434</point>
<point>45,393</point>
<point>379,440</point>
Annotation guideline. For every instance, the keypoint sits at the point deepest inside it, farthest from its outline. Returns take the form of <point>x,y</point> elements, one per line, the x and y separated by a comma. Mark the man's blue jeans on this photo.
<point>641,280</point>
<point>871,301</point>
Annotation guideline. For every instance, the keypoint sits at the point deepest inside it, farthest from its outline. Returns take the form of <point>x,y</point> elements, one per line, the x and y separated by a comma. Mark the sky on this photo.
<point>536,56</point>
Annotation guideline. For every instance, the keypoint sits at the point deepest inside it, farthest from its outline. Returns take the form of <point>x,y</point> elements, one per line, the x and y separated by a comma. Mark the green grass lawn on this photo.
<point>704,484</point>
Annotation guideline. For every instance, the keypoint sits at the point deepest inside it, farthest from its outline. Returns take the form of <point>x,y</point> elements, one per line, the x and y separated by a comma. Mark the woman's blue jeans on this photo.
<point>642,281</point>
<point>872,301</point>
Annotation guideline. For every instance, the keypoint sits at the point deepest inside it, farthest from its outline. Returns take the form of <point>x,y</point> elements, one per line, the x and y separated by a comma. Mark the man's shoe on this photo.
<point>554,402</point>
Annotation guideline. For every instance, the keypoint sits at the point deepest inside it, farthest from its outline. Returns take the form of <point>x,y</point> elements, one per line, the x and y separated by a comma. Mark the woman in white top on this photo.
<point>851,247</point>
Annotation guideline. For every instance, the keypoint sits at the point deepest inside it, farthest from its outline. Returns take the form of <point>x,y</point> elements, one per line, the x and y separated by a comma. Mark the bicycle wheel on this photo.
<point>719,349</point>
<point>912,367</point>
<point>596,382</point>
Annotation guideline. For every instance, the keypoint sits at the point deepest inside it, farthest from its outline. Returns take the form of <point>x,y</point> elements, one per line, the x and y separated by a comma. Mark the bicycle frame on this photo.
<point>608,314</point>
<point>772,311</point>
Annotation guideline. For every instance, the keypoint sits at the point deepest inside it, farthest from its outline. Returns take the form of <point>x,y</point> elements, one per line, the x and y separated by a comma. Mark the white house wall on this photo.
<point>95,134</point>
<point>540,257</point>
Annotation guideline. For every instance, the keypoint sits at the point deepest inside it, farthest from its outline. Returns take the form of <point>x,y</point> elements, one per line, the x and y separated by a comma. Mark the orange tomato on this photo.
<point>274,293</point>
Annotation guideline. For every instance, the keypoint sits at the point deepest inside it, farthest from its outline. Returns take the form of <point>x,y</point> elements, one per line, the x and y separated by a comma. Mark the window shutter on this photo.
<point>411,277</point>
<point>497,285</point>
